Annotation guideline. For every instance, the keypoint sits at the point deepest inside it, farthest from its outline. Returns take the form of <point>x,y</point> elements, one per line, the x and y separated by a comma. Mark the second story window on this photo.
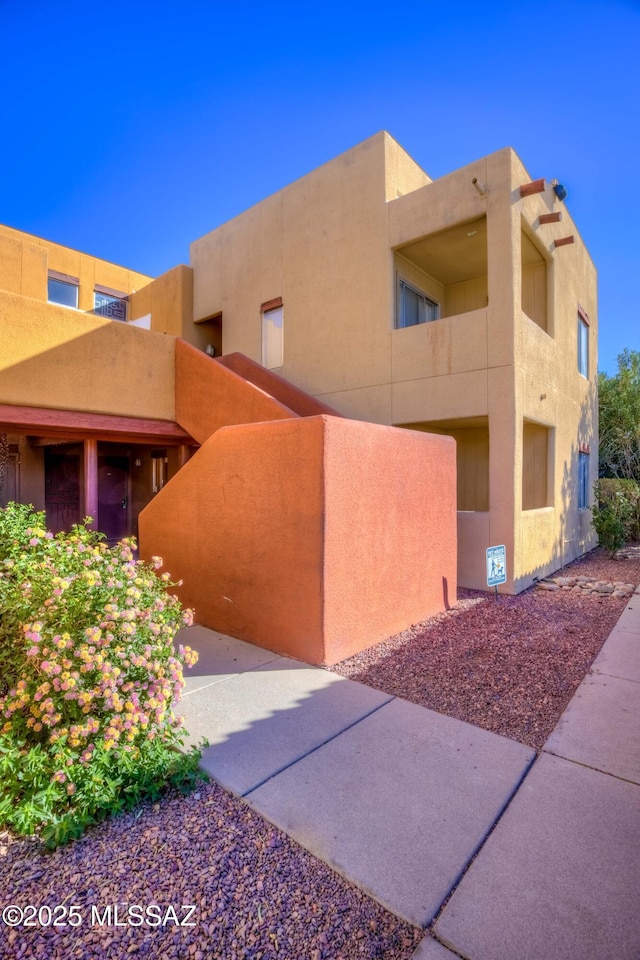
<point>62,289</point>
<point>110,303</point>
<point>272,333</point>
<point>583,344</point>
<point>413,306</point>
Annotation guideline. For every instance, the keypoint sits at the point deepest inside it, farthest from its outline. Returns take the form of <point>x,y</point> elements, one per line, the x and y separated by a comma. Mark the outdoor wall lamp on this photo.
<point>559,190</point>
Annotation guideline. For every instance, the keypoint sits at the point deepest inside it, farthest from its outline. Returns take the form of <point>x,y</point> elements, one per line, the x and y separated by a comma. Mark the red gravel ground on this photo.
<point>509,666</point>
<point>257,894</point>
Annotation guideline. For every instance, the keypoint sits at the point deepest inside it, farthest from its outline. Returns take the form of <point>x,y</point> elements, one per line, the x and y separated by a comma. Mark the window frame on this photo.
<point>583,347</point>
<point>109,299</point>
<point>159,470</point>
<point>427,302</point>
<point>584,464</point>
<point>269,310</point>
<point>62,280</point>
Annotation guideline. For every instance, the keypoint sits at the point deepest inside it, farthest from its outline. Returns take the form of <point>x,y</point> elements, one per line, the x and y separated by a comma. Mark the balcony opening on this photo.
<point>472,456</point>
<point>445,270</point>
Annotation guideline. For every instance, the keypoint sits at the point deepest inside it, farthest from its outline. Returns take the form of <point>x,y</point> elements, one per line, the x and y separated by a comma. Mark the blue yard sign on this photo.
<point>496,566</point>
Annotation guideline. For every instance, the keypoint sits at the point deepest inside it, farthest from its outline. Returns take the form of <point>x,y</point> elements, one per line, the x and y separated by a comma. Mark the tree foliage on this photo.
<point>620,419</point>
<point>616,513</point>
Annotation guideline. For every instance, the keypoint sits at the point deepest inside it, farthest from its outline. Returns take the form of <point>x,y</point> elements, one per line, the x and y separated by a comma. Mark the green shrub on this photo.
<point>607,490</point>
<point>616,513</point>
<point>88,679</point>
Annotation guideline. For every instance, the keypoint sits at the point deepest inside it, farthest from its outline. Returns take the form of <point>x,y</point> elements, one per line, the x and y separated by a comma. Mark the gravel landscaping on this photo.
<point>509,666</point>
<point>257,894</point>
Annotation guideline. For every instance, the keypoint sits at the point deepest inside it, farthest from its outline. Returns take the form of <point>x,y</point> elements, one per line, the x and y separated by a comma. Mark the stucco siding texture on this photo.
<point>241,524</point>
<point>390,551</point>
<point>210,396</point>
<point>59,358</point>
<point>314,537</point>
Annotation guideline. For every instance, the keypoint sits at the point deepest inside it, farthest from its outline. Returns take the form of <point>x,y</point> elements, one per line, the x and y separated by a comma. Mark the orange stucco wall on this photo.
<point>208,396</point>
<point>314,537</point>
<point>302,403</point>
<point>390,551</point>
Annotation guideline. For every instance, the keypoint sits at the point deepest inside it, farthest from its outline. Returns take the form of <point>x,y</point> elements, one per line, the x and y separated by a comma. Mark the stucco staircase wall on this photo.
<point>297,529</point>
<point>280,389</point>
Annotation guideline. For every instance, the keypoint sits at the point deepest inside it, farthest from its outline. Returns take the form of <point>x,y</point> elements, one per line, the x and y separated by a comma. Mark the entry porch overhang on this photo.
<point>79,425</point>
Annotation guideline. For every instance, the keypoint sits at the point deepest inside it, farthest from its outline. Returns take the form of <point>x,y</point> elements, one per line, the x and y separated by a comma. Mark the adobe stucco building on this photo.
<point>464,306</point>
<point>363,292</point>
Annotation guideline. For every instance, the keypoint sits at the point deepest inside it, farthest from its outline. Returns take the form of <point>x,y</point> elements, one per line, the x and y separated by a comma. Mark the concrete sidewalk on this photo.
<point>400,799</point>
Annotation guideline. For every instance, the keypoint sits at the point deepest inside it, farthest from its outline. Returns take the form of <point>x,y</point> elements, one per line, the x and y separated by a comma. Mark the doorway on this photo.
<point>61,489</point>
<point>114,495</point>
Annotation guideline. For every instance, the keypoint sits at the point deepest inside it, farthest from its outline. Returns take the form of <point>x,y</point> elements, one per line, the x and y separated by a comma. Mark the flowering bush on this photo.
<point>88,678</point>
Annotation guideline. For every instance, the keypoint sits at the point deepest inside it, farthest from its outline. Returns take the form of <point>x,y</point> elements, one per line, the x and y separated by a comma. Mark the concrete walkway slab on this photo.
<point>260,722</point>
<point>430,949</point>
<point>620,656</point>
<point>631,611</point>
<point>399,803</point>
<point>601,727</point>
<point>221,657</point>
<point>559,878</point>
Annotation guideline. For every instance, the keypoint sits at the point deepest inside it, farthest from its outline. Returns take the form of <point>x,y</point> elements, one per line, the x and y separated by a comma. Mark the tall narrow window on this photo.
<point>583,347</point>
<point>583,481</point>
<point>413,306</point>
<point>159,470</point>
<point>272,334</point>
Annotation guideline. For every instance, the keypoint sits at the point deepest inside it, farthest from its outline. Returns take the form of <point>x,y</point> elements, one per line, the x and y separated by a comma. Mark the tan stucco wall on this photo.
<point>25,260</point>
<point>167,302</point>
<point>59,358</point>
<point>331,244</point>
<point>319,244</point>
<point>550,390</point>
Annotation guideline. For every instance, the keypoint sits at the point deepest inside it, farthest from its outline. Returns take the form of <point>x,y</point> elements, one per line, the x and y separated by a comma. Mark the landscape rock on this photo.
<point>587,585</point>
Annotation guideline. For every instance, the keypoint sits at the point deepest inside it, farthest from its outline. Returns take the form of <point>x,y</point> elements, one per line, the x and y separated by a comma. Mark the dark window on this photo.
<point>583,481</point>
<point>413,306</point>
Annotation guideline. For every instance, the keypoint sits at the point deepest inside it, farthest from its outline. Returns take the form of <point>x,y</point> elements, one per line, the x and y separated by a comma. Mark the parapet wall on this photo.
<point>51,356</point>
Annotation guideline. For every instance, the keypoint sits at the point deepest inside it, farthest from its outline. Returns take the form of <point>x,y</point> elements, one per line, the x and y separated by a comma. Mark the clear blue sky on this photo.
<point>130,129</point>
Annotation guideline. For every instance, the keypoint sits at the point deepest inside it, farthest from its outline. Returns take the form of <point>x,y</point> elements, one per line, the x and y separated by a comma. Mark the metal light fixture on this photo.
<point>559,190</point>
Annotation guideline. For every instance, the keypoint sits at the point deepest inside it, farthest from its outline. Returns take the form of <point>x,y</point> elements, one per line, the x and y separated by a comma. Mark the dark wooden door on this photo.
<point>61,490</point>
<point>113,496</point>
<point>9,480</point>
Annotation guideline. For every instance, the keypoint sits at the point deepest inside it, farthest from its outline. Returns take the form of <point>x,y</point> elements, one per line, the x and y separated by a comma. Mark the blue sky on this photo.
<point>130,129</point>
